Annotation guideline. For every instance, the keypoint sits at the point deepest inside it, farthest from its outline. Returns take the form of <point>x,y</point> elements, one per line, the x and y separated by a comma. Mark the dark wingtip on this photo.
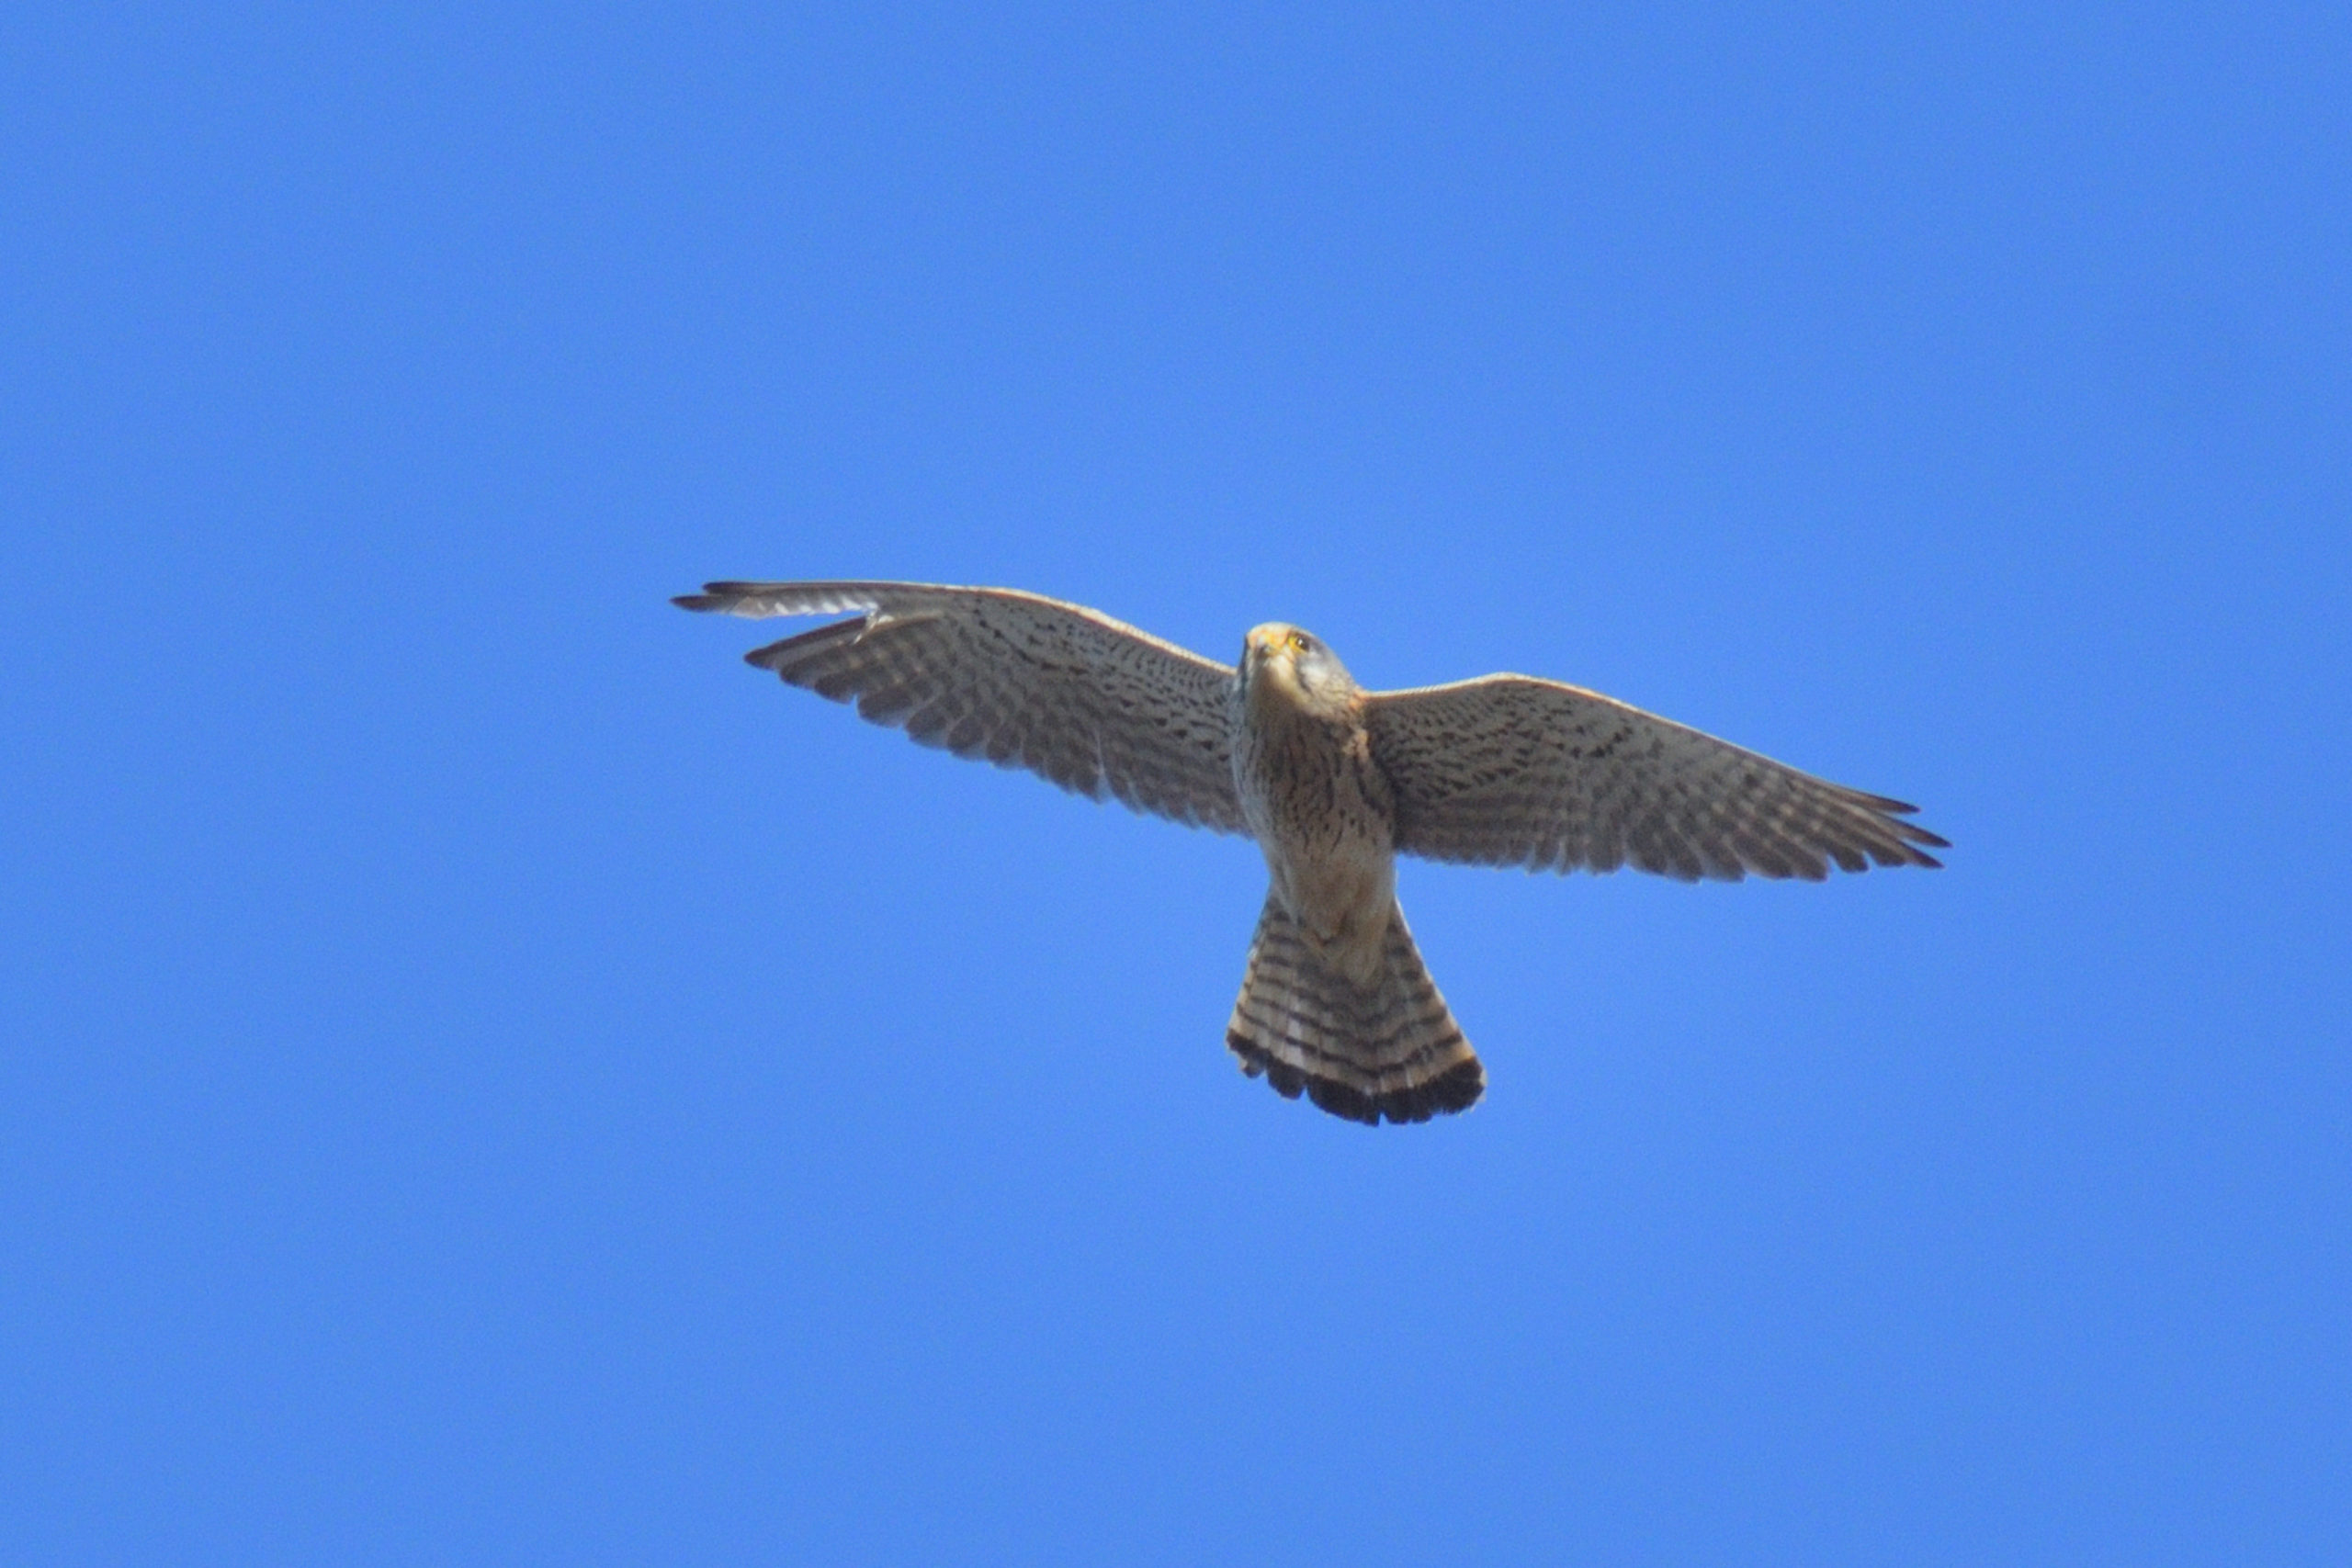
<point>1915,839</point>
<point>1917,842</point>
<point>719,595</point>
<point>771,656</point>
<point>1885,803</point>
<point>1905,854</point>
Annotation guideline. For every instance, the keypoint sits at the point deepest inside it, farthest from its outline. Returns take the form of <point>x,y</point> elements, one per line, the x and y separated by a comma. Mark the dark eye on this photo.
<point>1300,642</point>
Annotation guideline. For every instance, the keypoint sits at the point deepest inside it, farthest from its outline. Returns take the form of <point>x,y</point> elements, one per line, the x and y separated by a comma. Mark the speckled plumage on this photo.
<point>1333,782</point>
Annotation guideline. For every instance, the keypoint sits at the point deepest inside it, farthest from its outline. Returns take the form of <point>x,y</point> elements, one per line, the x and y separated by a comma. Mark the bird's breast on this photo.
<point>1323,817</point>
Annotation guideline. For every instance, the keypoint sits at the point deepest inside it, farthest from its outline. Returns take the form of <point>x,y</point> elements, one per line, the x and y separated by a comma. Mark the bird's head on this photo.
<point>1279,659</point>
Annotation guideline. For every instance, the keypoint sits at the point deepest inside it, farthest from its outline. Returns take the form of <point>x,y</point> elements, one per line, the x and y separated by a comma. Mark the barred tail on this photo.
<point>1389,1051</point>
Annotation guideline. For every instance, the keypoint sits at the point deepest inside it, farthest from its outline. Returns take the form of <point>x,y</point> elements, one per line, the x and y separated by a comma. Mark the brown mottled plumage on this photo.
<point>1333,782</point>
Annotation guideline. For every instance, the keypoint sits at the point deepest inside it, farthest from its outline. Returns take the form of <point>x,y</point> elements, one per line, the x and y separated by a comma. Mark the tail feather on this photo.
<point>1390,1051</point>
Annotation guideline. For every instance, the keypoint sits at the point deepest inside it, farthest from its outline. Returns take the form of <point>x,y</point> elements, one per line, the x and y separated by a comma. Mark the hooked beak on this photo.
<point>1263,651</point>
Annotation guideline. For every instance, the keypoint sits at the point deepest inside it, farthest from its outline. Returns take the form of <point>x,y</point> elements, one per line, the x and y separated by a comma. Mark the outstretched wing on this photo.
<point>1512,770</point>
<point>1024,681</point>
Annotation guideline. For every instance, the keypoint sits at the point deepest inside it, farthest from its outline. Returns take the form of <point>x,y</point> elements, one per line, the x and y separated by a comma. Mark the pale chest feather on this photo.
<point>1309,784</point>
<point>1322,813</point>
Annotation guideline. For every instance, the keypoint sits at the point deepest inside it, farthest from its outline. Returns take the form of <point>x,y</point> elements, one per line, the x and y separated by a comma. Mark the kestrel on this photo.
<point>1333,782</point>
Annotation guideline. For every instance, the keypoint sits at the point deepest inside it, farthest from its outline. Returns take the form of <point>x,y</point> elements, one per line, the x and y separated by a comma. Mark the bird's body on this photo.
<point>1314,798</point>
<point>1333,782</point>
<point>1336,1001</point>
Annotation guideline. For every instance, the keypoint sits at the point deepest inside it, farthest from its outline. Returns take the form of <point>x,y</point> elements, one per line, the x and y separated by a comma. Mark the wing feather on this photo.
<point>1509,770</point>
<point>1016,679</point>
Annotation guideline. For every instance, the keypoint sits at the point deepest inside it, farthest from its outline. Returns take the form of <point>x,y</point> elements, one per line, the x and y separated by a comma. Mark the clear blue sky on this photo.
<point>488,1078</point>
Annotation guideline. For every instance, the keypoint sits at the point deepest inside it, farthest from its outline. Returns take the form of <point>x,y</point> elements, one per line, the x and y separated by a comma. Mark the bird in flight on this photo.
<point>1333,782</point>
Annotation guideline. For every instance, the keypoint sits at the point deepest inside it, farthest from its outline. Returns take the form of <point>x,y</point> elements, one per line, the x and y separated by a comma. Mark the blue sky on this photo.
<point>488,1078</point>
